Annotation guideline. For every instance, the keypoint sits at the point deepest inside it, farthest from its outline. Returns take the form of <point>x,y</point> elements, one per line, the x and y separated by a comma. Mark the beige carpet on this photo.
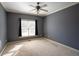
<point>38,47</point>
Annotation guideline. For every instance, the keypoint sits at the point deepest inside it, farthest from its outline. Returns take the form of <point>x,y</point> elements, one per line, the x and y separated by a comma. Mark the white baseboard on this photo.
<point>3,49</point>
<point>63,45</point>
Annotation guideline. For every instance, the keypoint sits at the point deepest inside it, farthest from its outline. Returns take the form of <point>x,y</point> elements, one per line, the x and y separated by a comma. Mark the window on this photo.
<point>27,27</point>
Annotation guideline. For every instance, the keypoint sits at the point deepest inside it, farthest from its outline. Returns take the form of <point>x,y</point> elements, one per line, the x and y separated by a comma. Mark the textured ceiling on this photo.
<point>23,7</point>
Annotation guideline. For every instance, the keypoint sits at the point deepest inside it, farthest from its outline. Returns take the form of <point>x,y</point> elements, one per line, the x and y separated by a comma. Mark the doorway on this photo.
<point>27,27</point>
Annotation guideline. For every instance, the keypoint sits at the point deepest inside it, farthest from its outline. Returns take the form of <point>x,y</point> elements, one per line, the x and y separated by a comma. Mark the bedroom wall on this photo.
<point>3,27</point>
<point>13,24</point>
<point>63,26</point>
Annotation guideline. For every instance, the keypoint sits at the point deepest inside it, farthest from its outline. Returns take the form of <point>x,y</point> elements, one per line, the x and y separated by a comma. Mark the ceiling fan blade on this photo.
<point>45,5</point>
<point>44,10</point>
<point>32,9</point>
<point>32,6</point>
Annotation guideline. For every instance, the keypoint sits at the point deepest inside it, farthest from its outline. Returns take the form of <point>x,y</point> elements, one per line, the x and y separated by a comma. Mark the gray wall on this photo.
<point>3,27</point>
<point>13,24</point>
<point>63,26</point>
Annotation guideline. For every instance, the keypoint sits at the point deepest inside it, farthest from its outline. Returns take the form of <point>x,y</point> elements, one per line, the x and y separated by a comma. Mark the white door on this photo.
<point>27,27</point>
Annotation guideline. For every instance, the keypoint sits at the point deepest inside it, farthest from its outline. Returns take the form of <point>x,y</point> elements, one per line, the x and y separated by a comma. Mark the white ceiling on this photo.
<point>23,7</point>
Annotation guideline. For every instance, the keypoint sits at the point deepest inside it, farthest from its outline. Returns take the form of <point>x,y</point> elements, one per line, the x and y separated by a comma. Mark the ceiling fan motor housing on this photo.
<point>38,7</point>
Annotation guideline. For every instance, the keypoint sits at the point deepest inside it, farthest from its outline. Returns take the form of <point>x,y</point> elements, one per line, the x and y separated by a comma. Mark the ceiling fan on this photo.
<point>39,8</point>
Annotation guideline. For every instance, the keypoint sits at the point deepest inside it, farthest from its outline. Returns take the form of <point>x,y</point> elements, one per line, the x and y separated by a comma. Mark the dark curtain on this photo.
<point>36,28</point>
<point>19,27</point>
